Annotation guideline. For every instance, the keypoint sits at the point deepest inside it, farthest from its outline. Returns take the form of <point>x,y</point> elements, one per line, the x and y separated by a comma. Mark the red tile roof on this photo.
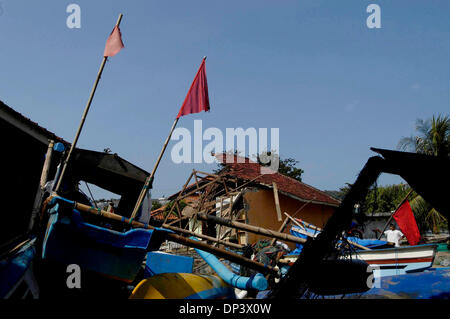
<point>249,170</point>
<point>158,214</point>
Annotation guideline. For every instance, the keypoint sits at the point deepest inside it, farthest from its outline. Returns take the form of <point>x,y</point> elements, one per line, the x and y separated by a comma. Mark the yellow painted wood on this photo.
<point>175,286</point>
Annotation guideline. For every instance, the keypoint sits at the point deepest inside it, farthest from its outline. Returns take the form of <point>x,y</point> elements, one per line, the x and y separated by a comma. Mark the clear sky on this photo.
<point>313,68</point>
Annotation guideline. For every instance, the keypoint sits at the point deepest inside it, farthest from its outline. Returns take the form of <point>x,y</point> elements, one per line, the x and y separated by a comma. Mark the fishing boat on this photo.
<point>390,261</point>
<point>69,239</point>
<point>399,260</point>
<point>386,261</point>
<point>16,271</point>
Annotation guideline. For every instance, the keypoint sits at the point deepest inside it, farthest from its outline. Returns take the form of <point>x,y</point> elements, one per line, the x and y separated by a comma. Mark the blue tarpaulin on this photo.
<point>433,283</point>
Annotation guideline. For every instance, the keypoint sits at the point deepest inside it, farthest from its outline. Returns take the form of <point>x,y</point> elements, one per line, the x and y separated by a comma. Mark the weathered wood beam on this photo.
<point>213,239</point>
<point>252,229</point>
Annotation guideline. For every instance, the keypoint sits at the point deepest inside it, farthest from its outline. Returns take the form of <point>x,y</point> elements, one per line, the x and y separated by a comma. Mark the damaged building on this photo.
<point>240,192</point>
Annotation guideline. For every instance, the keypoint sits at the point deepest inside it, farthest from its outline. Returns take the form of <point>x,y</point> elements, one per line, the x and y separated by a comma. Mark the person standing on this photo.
<point>393,235</point>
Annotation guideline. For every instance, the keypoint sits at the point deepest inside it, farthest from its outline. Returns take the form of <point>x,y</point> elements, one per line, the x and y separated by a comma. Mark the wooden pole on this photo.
<point>213,239</point>
<point>280,230</point>
<point>286,220</point>
<point>92,196</point>
<point>48,160</point>
<point>277,201</point>
<point>179,194</point>
<point>308,225</point>
<point>149,180</point>
<point>42,182</point>
<point>303,206</point>
<point>83,118</point>
<point>221,215</point>
<point>390,217</point>
<point>301,231</point>
<point>252,229</point>
<point>180,239</point>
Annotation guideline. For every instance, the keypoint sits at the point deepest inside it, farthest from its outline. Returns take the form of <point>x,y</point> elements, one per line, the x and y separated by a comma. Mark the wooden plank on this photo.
<point>213,239</point>
<point>277,201</point>
<point>250,228</point>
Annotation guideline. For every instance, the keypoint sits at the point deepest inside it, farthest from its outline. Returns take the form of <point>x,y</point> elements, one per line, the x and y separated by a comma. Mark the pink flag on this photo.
<point>114,43</point>
<point>197,99</point>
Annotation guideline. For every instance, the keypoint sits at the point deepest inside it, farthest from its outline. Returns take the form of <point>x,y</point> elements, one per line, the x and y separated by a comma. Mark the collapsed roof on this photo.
<point>244,168</point>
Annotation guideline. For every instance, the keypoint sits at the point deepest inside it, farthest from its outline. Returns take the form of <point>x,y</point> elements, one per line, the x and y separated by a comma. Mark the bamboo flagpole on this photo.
<point>113,46</point>
<point>149,180</point>
<point>196,100</point>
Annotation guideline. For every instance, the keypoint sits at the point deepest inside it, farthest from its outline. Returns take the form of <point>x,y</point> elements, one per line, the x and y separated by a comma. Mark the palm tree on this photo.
<point>433,139</point>
<point>426,216</point>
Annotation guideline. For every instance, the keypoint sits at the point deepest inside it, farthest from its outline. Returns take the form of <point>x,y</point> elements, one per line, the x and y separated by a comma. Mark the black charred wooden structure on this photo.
<point>24,145</point>
<point>427,175</point>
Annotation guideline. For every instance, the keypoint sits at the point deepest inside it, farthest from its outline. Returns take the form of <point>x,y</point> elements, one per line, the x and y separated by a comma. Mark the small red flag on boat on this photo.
<point>114,43</point>
<point>405,220</point>
<point>197,99</point>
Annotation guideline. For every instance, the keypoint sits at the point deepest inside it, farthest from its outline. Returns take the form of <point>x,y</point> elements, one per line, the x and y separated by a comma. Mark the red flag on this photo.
<point>197,99</point>
<point>114,43</point>
<point>405,220</point>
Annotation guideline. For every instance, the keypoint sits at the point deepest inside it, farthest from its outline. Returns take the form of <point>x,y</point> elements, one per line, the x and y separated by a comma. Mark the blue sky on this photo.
<point>311,68</point>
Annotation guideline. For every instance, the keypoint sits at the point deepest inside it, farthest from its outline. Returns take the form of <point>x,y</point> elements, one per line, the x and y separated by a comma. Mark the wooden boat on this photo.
<point>392,261</point>
<point>16,271</point>
<point>399,260</point>
<point>183,286</point>
<point>71,240</point>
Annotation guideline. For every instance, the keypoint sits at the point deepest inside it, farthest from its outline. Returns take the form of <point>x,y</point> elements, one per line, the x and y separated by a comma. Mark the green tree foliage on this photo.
<point>378,198</point>
<point>289,168</point>
<point>384,198</point>
<point>433,137</point>
<point>387,198</point>
<point>155,205</point>
<point>181,204</point>
<point>427,217</point>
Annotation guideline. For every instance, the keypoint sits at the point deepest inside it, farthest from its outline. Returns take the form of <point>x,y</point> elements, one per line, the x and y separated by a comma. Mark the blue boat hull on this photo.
<point>70,240</point>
